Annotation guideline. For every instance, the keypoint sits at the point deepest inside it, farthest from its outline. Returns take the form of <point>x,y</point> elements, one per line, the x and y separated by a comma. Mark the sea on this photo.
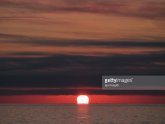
<point>82,114</point>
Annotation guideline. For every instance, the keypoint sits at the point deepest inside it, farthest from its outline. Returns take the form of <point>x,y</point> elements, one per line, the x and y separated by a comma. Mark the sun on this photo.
<point>82,99</point>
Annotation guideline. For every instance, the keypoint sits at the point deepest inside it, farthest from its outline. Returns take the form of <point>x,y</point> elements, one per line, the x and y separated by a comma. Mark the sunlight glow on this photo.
<point>82,99</point>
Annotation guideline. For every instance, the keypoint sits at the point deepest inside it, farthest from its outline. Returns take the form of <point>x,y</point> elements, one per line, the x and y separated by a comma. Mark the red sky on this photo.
<point>71,99</point>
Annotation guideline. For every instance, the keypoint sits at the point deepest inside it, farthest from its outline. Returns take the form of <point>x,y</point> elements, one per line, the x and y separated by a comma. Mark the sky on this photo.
<point>68,45</point>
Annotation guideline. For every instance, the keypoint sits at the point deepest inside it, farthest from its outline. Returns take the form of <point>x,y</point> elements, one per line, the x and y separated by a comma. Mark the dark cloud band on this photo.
<point>58,42</point>
<point>71,70</point>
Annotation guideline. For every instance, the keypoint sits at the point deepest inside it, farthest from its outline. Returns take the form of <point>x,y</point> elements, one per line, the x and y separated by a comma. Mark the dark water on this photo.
<point>82,114</point>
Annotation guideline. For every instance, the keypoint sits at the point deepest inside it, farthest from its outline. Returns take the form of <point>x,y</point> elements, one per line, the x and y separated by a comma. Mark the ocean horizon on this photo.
<point>82,114</point>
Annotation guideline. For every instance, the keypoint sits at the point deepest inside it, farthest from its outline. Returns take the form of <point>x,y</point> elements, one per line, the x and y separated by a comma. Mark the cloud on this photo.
<point>144,9</point>
<point>74,71</point>
<point>63,43</point>
<point>10,38</point>
<point>75,91</point>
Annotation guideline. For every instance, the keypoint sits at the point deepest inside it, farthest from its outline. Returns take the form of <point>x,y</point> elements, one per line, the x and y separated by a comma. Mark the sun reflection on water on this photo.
<point>83,113</point>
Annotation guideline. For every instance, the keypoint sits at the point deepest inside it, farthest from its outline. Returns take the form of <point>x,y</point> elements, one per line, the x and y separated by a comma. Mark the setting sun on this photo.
<point>82,99</point>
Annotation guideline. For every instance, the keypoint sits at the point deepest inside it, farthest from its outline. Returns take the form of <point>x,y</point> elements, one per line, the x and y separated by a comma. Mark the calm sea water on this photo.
<point>82,114</point>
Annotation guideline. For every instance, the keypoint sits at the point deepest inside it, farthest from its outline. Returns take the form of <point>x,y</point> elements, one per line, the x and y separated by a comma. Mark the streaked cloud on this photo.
<point>81,40</point>
<point>75,70</point>
<point>72,19</point>
<point>37,41</point>
<point>142,8</point>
